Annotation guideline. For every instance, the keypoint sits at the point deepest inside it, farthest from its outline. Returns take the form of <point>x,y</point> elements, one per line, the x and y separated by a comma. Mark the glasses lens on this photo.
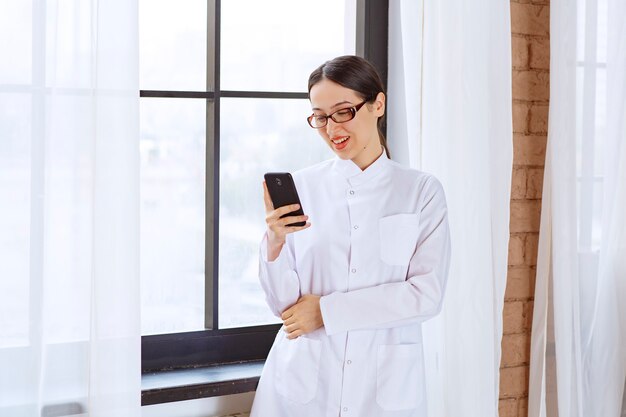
<point>343,115</point>
<point>317,121</point>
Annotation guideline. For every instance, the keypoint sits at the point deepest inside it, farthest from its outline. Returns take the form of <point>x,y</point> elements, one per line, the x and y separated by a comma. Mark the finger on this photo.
<point>291,229</point>
<point>291,320</point>
<point>292,219</point>
<point>290,329</point>
<point>286,314</point>
<point>295,334</point>
<point>269,206</point>
<point>281,211</point>
<point>275,215</point>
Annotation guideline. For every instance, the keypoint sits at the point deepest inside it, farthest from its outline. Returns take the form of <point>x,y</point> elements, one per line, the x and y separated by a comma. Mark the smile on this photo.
<point>337,141</point>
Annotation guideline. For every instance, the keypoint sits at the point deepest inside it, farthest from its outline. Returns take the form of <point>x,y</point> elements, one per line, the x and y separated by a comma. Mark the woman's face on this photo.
<point>356,139</point>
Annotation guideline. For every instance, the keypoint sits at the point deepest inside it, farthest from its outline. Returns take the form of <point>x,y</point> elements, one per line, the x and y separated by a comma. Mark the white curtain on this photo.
<point>69,193</point>
<point>578,349</point>
<point>450,109</point>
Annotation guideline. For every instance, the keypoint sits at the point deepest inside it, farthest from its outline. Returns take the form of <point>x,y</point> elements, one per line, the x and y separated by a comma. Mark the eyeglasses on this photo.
<point>340,116</point>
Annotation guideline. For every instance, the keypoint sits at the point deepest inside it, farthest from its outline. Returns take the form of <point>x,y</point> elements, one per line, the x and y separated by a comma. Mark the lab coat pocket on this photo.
<point>398,237</point>
<point>298,368</point>
<point>400,375</point>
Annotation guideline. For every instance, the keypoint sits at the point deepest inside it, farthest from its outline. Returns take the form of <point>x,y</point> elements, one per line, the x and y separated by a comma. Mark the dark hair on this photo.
<point>357,74</point>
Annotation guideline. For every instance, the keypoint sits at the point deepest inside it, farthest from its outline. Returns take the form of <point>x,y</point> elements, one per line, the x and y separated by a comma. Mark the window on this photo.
<point>591,122</point>
<point>223,100</point>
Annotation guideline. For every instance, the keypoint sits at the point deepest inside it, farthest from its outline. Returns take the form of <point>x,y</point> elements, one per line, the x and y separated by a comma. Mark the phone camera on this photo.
<point>279,182</point>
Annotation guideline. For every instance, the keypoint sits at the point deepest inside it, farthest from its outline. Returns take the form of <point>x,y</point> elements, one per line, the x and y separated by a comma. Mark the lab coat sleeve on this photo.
<point>416,299</point>
<point>279,279</point>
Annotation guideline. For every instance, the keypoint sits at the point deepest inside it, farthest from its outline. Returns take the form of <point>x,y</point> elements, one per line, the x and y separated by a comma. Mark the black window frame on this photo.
<point>214,346</point>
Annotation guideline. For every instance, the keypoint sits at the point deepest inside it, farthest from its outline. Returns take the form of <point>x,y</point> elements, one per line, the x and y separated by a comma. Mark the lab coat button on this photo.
<point>351,192</point>
<point>345,409</point>
<point>349,362</point>
<point>356,226</point>
<point>353,271</point>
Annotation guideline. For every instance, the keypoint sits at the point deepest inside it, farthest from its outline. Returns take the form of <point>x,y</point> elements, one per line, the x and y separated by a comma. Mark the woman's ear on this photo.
<point>379,104</point>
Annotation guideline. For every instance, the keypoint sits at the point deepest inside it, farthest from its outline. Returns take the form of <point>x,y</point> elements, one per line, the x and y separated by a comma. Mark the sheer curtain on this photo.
<point>69,176</point>
<point>450,109</point>
<point>578,350</point>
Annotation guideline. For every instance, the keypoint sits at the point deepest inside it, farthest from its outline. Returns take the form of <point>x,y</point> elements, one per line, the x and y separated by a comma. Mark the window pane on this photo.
<point>172,214</point>
<point>16,39</point>
<point>172,45</point>
<point>274,45</point>
<point>69,217</point>
<point>69,49</point>
<point>600,136</point>
<point>258,135</point>
<point>15,207</point>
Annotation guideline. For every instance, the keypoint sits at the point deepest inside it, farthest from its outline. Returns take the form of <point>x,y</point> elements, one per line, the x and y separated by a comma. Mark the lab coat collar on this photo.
<point>355,175</point>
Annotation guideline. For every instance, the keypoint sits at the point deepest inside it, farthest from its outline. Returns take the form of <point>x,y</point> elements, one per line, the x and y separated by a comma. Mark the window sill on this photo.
<point>188,384</point>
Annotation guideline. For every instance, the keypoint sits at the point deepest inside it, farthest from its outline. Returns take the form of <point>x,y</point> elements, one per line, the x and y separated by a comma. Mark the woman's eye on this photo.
<point>343,113</point>
<point>320,119</point>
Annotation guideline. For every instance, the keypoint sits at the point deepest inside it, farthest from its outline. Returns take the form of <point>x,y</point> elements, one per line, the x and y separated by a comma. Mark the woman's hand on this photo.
<point>277,228</point>
<point>303,317</point>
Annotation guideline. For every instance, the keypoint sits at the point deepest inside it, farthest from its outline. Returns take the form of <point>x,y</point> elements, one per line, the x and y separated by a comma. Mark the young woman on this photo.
<point>355,283</point>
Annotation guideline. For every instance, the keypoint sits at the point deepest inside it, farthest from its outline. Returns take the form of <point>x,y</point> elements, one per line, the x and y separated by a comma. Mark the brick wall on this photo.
<point>530,27</point>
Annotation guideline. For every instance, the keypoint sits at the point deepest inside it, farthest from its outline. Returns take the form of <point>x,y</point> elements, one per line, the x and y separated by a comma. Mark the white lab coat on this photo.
<point>378,252</point>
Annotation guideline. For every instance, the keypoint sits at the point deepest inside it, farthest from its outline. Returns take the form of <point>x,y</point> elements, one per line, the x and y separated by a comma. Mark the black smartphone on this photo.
<point>283,193</point>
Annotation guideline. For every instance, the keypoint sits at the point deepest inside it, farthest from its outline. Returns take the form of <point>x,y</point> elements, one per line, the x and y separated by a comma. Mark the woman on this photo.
<point>354,284</point>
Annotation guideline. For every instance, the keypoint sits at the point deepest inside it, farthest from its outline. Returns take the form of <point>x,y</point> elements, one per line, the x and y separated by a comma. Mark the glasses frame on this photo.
<point>353,111</point>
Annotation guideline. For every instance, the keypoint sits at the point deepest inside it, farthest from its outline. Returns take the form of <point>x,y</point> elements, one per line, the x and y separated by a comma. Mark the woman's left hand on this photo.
<point>303,317</point>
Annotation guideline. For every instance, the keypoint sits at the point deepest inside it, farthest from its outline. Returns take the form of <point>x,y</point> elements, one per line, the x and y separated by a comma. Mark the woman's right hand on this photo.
<point>277,229</point>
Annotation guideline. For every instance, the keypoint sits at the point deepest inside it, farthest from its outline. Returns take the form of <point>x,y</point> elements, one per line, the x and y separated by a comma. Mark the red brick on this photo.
<point>538,119</point>
<point>520,283</point>
<point>518,184</point>
<point>514,382</point>
<point>515,349</point>
<point>527,315</point>
<point>522,411</point>
<point>508,407</point>
<point>525,216</point>
<point>530,19</point>
<point>530,53</point>
<point>520,52</point>
<point>531,85</point>
<point>534,183</point>
<point>530,251</point>
<point>514,320</point>
<point>539,53</point>
<point>521,117</point>
<point>517,246</point>
<point>545,2</point>
<point>529,150</point>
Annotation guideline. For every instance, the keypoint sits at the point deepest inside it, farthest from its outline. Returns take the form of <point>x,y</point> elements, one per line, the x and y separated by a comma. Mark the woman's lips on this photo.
<point>340,142</point>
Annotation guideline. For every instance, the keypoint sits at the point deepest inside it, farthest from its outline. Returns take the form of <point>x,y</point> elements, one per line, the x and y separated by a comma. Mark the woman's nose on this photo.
<point>330,126</point>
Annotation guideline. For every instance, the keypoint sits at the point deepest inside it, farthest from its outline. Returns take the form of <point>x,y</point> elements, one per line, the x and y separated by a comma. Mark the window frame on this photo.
<point>214,346</point>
